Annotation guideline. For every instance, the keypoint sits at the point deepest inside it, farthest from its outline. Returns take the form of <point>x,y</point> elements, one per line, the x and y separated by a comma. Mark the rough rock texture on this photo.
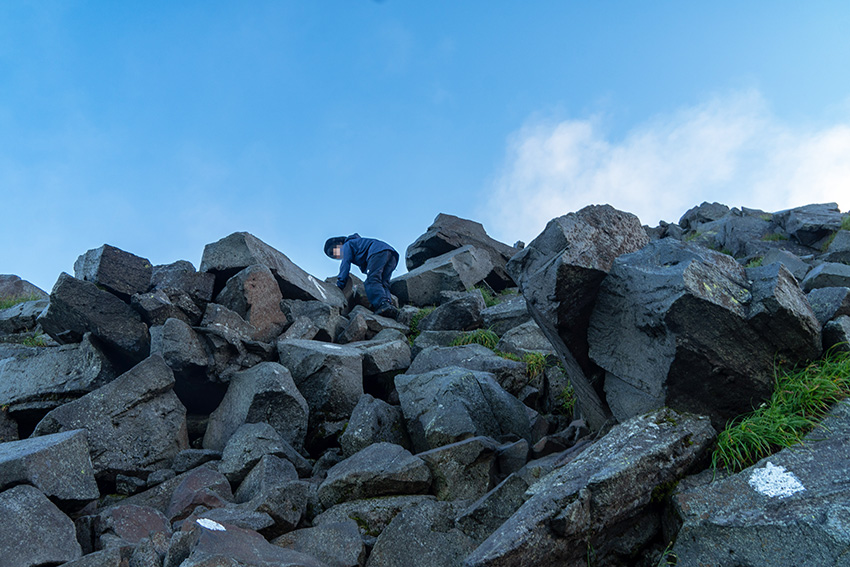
<point>787,510</point>
<point>253,293</point>
<point>12,287</point>
<point>200,487</point>
<point>337,544</point>
<point>809,224</point>
<point>325,317</point>
<point>458,270</point>
<point>510,374</point>
<point>559,273</point>
<point>373,421</point>
<point>504,316</point>
<point>461,314</point>
<point>330,376</point>
<point>372,515</point>
<point>21,317</point>
<point>134,424</point>
<point>680,325</point>
<point>47,377</point>
<point>525,338</point>
<point>836,334</point>
<point>240,250</point>
<point>381,469</point>
<point>608,485</point>
<point>791,261</point>
<point>465,470</point>
<point>829,302</point>
<point>451,404</point>
<point>262,393</point>
<point>34,532</point>
<point>828,274</point>
<point>118,272</point>
<point>58,465</point>
<point>181,275</point>
<point>839,248</point>
<point>249,444</point>
<point>449,233</point>
<point>704,213</point>
<point>78,307</point>
<point>422,535</point>
<point>270,472</point>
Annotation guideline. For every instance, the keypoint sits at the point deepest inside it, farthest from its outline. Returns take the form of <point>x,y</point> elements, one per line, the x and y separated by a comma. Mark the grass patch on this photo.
<point>484,337</point>
<point>845,223</point>
<point>774,237</point>
<point>800,399</point>
<point>755,262</point>
<point>36,340</point>
<point>7,302</point>
<point>414,322</point>
<point>567,399</point>
<point>489,299</point>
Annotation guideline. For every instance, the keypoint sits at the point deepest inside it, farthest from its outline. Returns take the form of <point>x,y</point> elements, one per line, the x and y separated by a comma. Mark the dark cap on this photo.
<point>330,243</point>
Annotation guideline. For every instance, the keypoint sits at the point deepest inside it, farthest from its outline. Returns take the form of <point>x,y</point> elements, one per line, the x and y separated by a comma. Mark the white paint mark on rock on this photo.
<point>211,525</point>
<point>775,481</point>
<point>315,282</point>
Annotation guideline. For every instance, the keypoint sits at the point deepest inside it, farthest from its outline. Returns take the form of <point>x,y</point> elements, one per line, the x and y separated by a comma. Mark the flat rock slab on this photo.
<point>51,376</point>
<point>828,274</point>
<point>787,510</point>
<point>21,317</point>
<point>78,307</point>
<point>134,424</point>
<point>338,544</point>
<point>34,532</point>
<point>608,484</point>
<point>371,514</point>
<point>381,469</point>
<point>58,465</point>
<point>458,270</point>
<point>240,250</point>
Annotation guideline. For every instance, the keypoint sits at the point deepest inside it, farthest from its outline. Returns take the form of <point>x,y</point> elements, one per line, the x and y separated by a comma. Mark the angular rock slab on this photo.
<point>12,287</point>
<point>448,233</point>
<point>607,485</point>
<point>510,374</point>
<point>338,544</point>
<point>461,314</point>
<point>839,248</point>
<point>458,270</point>
<point>115,270</point>
<point>452,404</point>
<point>78,307</point>
<point>382,469</point>
<point>787,510</point>
<point>681,325</point>
<point>811,223</point>
<point>134,424</point>
<point>181,275</point>
<point>373,421</point>
<point>829,302</point>
<point>254,294</point>
<point>34,531</point>
<point>58,465</point>
<point>836,334</point>
<point>21,317</point>
<point>559,274</point>
<point>240,250</point>
<point>265,392</point>
<point>465,470</point>
<point>828,274</point>
<point>51,376</point>
<point>330,377</point>
<point>504,316</point>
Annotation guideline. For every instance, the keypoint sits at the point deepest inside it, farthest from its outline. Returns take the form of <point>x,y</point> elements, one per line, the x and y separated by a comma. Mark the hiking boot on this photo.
<point>387,310</point>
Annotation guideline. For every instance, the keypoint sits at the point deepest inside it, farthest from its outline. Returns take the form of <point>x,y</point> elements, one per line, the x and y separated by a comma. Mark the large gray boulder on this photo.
<point>249,444</point>
<point>228,340</point>
<point>253,293</point>
<point>448,233</point>
<point>525,338</point>
<point>786,510</point>
<point>836,334</point>
<point>325,317</point>
<point>702,214</point>
<point>460,314</point>
<point>465,470</point>
<point>828,274</point>
<point>114,270</point>
<point>458,270</point>
<point>270,472</point>
<point>34,532</point>
<point>236,252</point>
<point>78,307</point>
<point>372,515</point>
<point>58,465</point>
<point>811,223</point>
<point>829,302</point>
<point>681,325</point>
<point>423,535</point>
<point>510,374</point>
<point>452,404</point>
<point>134,425</point>
<point>35,378</point>
<point>267,393</point>
<point>839,249</point>
<point>373,421</point>
<point>181,275</point>
<point>338,544</point>
<point>559,274</point>
<point>381,469</point>
<point>572,509</point>
<point>329,376</point>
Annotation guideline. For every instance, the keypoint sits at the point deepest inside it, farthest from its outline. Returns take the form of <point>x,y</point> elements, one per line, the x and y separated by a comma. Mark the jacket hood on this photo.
<point>333,241</point>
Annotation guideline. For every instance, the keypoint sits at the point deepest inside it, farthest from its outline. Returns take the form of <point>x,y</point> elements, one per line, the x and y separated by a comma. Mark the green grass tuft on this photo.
<point>35,341</point>
<point>755,262</point>
<point>7,302</point>
<point>845,223</point>
<point>414,322</point>
<point>535,363</point>
<point>774,237</point>
<point>489,299</point>
<point>484,337</point>
<point>800,399</point>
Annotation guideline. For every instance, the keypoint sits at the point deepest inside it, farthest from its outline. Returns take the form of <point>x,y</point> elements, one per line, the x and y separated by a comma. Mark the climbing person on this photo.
<point>375,258</point>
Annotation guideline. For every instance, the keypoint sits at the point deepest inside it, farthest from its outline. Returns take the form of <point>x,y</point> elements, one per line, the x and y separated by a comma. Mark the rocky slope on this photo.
<point>249,414</point>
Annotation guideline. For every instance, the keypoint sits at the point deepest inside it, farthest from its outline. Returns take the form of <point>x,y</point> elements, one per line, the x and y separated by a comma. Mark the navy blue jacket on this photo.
<point>356,250</point>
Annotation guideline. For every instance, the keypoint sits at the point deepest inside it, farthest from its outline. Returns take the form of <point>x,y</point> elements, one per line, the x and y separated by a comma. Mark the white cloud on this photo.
<point>731,149</point>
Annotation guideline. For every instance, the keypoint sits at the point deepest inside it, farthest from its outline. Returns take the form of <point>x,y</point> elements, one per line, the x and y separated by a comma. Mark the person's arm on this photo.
<point>344,266</point>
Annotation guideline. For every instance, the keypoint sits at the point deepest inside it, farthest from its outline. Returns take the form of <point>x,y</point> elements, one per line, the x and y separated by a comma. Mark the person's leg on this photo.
<point>374,278</point>
<point>388,273</point>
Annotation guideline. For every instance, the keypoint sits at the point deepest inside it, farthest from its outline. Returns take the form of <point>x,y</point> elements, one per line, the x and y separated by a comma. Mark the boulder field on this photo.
<point>553,404</point>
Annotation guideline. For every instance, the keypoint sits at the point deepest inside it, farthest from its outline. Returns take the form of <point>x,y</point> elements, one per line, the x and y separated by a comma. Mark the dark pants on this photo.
<point>379,270</point>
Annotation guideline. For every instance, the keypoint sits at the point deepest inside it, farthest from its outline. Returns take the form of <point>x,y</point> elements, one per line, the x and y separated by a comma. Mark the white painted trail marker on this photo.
<point>775,481</point>
<point>211,525</point>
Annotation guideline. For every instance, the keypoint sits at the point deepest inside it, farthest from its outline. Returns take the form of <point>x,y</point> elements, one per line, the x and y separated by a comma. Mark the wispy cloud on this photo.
<point>731,149</point>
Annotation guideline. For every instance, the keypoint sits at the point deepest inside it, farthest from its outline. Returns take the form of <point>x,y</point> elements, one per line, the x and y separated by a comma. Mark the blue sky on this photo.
<point>159,127</point>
